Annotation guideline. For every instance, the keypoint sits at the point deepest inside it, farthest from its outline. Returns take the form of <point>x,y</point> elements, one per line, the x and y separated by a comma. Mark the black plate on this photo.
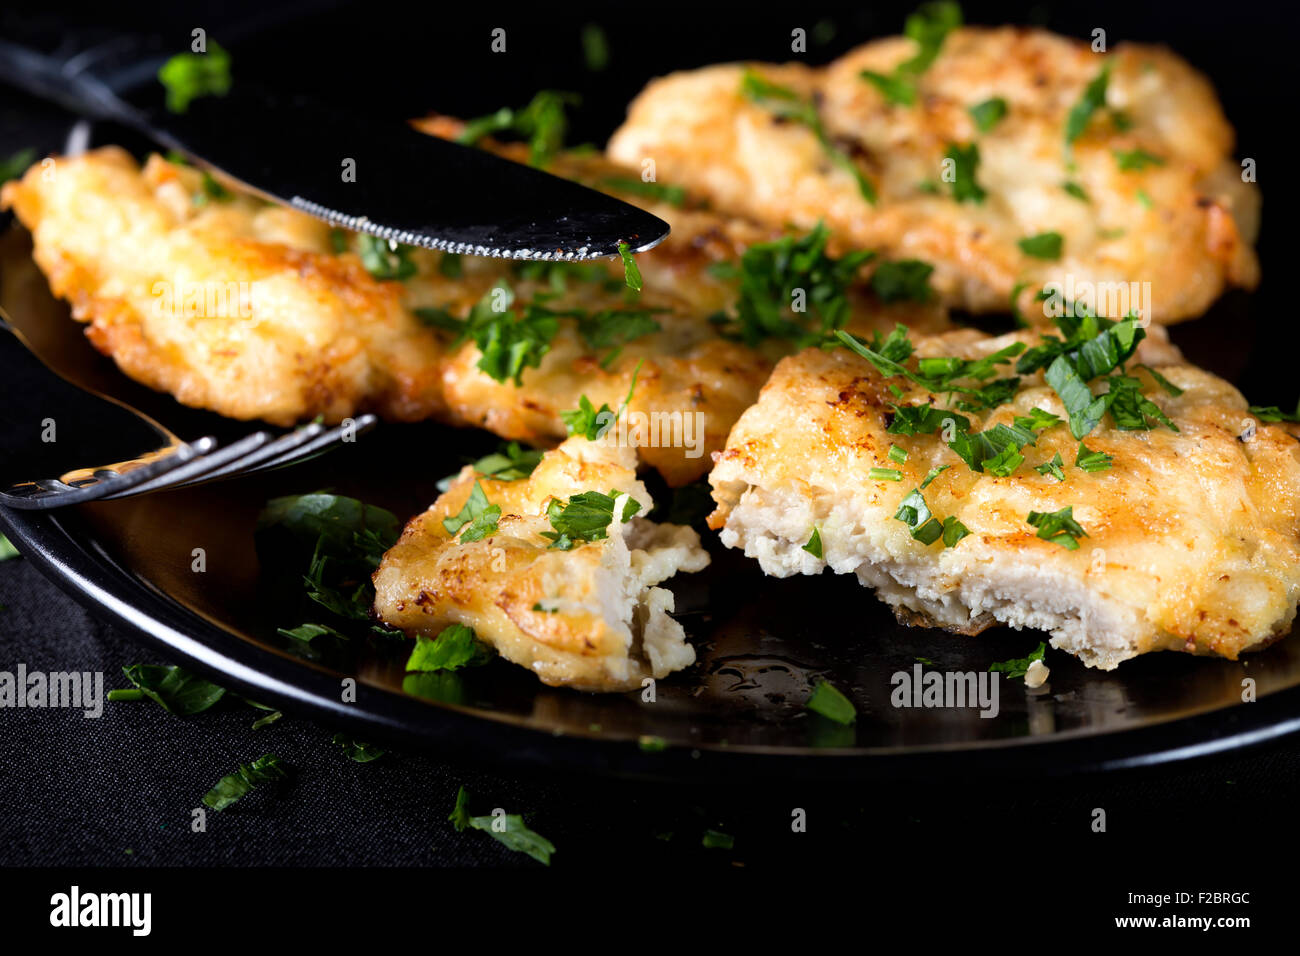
<point>738,713</point>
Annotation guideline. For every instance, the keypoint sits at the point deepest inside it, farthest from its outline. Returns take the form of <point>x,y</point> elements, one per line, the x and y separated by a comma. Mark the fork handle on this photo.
<point>84,79</point>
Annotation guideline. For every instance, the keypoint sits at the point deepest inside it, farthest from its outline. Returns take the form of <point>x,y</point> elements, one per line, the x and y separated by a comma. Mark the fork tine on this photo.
<point>285,445</point>
<point>110,484</point>
<point>360,425</point>
<point>199,466</point>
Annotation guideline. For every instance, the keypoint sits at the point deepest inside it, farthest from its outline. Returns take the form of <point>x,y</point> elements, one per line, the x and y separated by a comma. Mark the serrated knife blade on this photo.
<point>374,175</point>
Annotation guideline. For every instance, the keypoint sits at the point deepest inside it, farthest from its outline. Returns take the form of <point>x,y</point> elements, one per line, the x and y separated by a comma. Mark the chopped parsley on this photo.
<point>357,750</point>
<point>897,454</point>
<point>541,123</point>
<point>614,328</point>
<point>1019,667</point>
<point>786,104</point>
<point>384,259</point>
<point>929,26</point>
<point>1163,382</point>
<point>1094,347</point>
<point>953,531</point>
<point>342,538</point>
<point>995,450</point>
<point>771,276</point>
<point>1091,461</point>
<point>231,788</point>
<point>510,343</point>
<point>174,689</point>
<point>1037,420</point>
<point>1058,527</point>
<point>584,517</point>
<point>814,545</point>
<point>592,423</point>
<point>188,76</point>
<point>936,374</point>
<point>903,280</point>
<point>673,195</point>
<point>7,549</point>
<point>717,840</point>
<point>631,272</point>
<point>309,632</point>
<point>211,191</point>
<point>1055,467</point>
<point>1135,160</point>
<point>451,265</point>
<point>965,164</point>
<point>511,462</point>
<point>1271,413</point>
<point>478,517</point>
<point>557,274</point>
<point>895,88</point>
<point>507,829</point>
<point>988,114</point>
<point>885,474</point>
<point>1045,245</point>
<point>16,164</point>
<point>1074,189</point>
<point>933,474</point>
<point>1093,99</point>
<point>588,421</point>
<point>915,513</point>
<point>595,47</point>
<point>830,703</point>
<point>456,646</point>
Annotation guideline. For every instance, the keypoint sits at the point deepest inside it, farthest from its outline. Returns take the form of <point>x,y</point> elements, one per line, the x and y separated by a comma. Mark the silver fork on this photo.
<point>50,427</point>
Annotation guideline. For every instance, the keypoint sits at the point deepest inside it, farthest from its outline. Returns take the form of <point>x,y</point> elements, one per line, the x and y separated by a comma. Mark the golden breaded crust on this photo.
<point>590,618</point>
<point>1186,226</point>
<point>235,306</point>
<point>1193,536</point>
<point>307,331</point>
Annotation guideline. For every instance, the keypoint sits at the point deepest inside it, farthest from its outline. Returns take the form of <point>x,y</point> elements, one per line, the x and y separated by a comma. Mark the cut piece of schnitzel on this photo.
<point>1138,537</point>
<point>256,311</point>
<point>560,578</point>
<point>1006,158</point>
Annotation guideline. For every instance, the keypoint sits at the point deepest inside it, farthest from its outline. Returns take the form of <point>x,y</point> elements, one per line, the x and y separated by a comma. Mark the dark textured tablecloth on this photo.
<point>119,790</point>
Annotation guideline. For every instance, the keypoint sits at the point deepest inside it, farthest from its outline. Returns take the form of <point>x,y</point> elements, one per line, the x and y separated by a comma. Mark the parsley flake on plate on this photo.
<point>188,76</point>
<point>1019,667</point>
<point>829,702</point>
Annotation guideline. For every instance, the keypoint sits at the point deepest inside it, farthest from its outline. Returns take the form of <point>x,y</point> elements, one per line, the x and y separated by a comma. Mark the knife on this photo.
<point>406,186</point>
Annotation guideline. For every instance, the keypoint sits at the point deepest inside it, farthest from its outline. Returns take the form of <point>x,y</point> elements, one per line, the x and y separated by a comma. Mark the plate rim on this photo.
<point>91,579</point>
